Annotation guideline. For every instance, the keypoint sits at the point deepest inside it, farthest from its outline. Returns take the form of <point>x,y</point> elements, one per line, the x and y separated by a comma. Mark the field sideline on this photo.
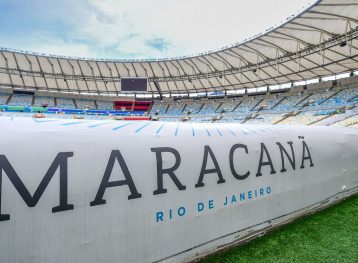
<point>328,236</point>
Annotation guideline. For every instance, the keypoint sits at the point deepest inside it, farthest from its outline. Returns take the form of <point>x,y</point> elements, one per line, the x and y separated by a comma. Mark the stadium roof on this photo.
<point>320,41</point>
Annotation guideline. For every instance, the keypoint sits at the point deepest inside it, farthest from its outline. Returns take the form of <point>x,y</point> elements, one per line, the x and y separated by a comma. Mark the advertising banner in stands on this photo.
<point>140,191</point>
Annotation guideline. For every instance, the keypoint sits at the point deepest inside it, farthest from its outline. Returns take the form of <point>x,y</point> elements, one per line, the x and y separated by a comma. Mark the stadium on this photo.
<point>175,159</point>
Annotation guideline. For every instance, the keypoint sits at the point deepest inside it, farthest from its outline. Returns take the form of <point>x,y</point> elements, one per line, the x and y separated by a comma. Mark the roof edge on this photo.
<point>267,31</point>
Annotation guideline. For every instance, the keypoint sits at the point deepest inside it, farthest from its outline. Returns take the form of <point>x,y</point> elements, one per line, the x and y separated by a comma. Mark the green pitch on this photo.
<point>328,236</point>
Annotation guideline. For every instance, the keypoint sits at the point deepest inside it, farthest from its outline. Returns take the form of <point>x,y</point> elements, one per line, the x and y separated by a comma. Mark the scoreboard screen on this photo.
<point>134,84</point>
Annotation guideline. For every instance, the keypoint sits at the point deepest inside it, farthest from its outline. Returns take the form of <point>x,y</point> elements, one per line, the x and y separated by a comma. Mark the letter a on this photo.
<point>115,155</point>
<point>208,151</point>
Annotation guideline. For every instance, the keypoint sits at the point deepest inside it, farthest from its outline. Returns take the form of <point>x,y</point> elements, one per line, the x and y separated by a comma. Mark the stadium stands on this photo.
<point>305,118</point>
<point>104,105</point>
<point>85,104</point>
<point>175,110</point>
<point>44,100</point>
<point>20,100</point>
<point>323,106</point>
<point>312,107</point>
<point>3,98</point>
<point>193,108</point>
<point>65,103</point>
<point>350,121</point>
<point>159,108</point>
<point>227,106</point>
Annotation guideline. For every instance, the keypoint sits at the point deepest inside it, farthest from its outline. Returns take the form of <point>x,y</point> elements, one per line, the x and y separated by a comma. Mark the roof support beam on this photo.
<point>229,66</point>
<point>32,69</point>
<point>53,72</point>
<point>92,71</point>
<point>64,78</point>
<point>158,89</point>
<point>178,72</point>
<point>111,73</point>
<point>163,71</point>
<point>83,77</point>
<point>7,66</point>
<point>41,71</point>
<point>74,73</point>
<point>18,68</point>
<point>100,73</point>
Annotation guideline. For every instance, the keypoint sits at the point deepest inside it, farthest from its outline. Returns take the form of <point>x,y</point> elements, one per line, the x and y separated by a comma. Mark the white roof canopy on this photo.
<point>320,41</point>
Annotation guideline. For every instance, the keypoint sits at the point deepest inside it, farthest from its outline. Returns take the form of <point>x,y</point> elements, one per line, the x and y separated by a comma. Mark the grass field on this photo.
<point>328,236</point>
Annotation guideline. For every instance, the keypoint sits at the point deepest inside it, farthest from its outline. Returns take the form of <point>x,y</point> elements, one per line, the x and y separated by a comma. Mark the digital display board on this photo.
<point>134,84</point>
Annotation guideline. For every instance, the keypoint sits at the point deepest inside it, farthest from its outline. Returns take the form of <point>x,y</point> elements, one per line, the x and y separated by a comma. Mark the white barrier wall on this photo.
<point>109,191</point>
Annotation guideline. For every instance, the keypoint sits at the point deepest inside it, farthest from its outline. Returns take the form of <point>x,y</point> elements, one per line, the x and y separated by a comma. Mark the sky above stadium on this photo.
<point>136,29</point>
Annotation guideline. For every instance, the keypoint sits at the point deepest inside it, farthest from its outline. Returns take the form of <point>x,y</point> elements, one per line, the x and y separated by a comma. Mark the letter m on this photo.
<point>60,163</point>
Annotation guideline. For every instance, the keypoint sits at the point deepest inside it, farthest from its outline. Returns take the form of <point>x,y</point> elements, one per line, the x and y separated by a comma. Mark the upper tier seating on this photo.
<point>288,104</point>
<point>3,98</point>
<point>65,103</point>
<point>175,109</point>
<point>268,103</point>
<point>85,104</point>
<point>40,100</point>
<point>316,99</point>
<point>209,108</point>
<point>305,118</point>
<point>265,119</point>
<point>104,105</point>
<point>344,97</point>
<point>353,120</point>
<point>228,105</point>
<point>337,106</point>
<point>20,100</point>
<point>311,108</point>
<point>159,108</point>
<point>245,107</point>
<point>193,108</point>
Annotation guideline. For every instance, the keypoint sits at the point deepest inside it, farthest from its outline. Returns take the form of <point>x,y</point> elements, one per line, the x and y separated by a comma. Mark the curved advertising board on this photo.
<point>139,191</point>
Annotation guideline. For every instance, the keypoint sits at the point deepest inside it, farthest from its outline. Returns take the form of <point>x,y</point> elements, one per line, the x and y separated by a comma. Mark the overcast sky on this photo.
<point>136,29</point>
